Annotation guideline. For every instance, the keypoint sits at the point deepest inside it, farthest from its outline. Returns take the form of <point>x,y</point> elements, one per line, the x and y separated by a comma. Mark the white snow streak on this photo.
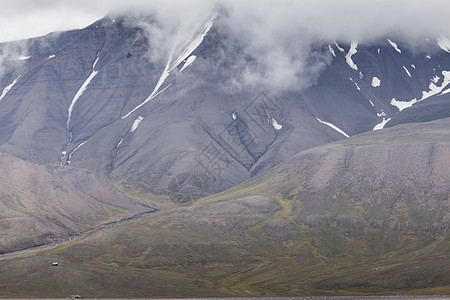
<point>171,65</point>
<point>434,89</point>
<point>80,92</point>
<point>413,66</point>
<point>275,124</point>
<point>96,61</point>
<point>381,125</point>
<point>8,88</point>
<point>401,105</point>
<point>233,116</point>
<point>446,91</point>
<point>381,114</point>
<point>357,86</point>
<point>376,82</point>
<point>24,57</point>
<point>120,143</point>
<point>429,57</point>
<point>331,50</point>
<point>351,52</point>
<point>51,56</point>
<point>333,126</point>
<point>444,44</point>
<point>339,48</point>
<point>407,72</point>
<point>73,151</point>
<point>188,62</point>
<point>136,123</point>
<point>77,96</point>
<point>395,46</point>
<point>371,103</point>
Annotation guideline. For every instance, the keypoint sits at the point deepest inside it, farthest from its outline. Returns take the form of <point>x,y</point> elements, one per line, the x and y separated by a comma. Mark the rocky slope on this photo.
<point>42,204</point>
<point>98,99</point>
<point>366,215</point>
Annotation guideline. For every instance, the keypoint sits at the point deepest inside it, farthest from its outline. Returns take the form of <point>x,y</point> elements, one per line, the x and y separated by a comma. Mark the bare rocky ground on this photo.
<point>41,204</point>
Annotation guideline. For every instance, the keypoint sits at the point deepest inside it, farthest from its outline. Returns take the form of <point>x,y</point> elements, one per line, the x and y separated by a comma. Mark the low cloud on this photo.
<point>278,34</point>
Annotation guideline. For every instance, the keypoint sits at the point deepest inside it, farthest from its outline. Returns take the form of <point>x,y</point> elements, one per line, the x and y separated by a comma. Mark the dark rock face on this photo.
<point>78,100</point>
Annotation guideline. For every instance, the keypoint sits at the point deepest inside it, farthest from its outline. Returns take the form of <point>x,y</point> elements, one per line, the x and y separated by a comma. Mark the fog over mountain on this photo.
<point>349,19</point>
<point>278,34</point>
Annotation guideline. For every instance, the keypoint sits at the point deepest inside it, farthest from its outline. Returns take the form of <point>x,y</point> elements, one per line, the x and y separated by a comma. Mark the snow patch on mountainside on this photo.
<point>339,47</point>
<point>120,143</point>
<point>96,61</point>
<point>77,96</point>
<point>395,46</point>
<point>348,57</point>
<point>73,151</point>
<point>331,50</point>
<point>22,57</point>
<point>171,65</point>
<point>193,45</point>
<point>276,125</point>
<point>333,126</point>
<point>376,82</point>
<point>407,72</point>
<point>401,105</point>
<point>357,86</point>
<point>8,88</point>
<point>381,125</point>
<point>51,56</point>
<point>188,62</point>
<point>80,92</point>
<point>381,114</point>
<point>136,123</point>
<point>444,44</point>
<point>434,90</point>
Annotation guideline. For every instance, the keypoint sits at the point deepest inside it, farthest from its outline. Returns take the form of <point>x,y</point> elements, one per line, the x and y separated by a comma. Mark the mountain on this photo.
<point>195,170</point>
<point>93,98</point>
<point>365,215</point>
<point>43,204</point>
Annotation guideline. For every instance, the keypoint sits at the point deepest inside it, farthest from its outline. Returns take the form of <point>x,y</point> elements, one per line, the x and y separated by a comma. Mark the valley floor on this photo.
<point>393,297</point>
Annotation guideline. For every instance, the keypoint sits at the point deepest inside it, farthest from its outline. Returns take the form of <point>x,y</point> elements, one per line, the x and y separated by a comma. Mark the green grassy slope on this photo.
<point>369,215</point>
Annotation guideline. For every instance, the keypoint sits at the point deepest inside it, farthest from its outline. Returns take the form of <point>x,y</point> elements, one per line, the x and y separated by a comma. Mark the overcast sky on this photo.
<point>21,19</point>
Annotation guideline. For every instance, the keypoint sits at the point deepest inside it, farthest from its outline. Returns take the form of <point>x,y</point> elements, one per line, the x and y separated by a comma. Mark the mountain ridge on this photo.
<point>109,74</point>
